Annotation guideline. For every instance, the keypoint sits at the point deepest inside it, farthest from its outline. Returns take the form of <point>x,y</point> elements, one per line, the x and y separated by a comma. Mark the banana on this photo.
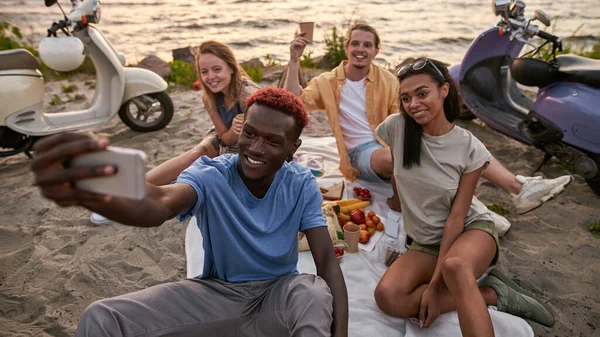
<point>353,206</point>
<point>344,217</point>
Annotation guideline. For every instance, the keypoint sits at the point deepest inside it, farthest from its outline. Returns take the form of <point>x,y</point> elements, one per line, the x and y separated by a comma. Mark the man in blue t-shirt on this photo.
<point>249,207</point>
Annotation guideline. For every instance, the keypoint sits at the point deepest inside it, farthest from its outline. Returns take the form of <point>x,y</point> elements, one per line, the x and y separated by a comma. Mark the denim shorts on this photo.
<point>360,158</point>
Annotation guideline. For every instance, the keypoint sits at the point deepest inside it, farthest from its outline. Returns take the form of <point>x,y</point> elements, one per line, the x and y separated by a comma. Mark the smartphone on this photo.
<point>308,28</point>
<point>129,181</point>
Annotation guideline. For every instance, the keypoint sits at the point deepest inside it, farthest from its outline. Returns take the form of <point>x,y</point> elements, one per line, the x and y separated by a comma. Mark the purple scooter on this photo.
<point>564,119</point>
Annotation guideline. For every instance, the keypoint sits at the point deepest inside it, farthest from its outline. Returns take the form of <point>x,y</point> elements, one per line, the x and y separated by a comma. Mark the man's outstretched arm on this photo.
<point>328,268</point>
<point>160,204</point>
<point>56,180</point>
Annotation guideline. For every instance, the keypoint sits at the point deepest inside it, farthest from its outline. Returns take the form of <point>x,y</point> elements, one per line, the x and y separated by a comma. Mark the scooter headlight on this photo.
<point>96,9</point>
<point>86,11</point>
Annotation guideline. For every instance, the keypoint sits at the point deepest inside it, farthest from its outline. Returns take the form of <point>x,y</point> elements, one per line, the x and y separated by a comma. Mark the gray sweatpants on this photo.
<point>292,305</point>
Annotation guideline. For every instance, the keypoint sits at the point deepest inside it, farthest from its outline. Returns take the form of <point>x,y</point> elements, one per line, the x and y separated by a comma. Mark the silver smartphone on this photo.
<point>129,181</point>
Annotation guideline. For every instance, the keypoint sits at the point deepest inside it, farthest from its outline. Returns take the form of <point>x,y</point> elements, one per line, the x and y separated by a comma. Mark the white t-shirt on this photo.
<point>427,191</point>
<point>353,114</point>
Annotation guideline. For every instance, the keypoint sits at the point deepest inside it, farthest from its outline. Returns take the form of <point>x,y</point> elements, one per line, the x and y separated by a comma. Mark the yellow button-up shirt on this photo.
<point>324,93</point>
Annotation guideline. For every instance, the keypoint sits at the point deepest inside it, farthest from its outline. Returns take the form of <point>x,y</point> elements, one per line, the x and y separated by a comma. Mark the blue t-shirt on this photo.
<point>246,238</point>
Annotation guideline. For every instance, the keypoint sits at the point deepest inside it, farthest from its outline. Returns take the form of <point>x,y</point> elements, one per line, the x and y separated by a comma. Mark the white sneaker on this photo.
<point>501,223</point>
<point>98,219</point>
<point>536,191</point>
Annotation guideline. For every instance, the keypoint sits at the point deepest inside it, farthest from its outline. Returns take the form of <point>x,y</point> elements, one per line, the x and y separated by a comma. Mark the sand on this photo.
<point>54,262</point>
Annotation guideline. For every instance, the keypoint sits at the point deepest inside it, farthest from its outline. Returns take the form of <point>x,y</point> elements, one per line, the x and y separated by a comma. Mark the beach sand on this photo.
<point>54,262</point>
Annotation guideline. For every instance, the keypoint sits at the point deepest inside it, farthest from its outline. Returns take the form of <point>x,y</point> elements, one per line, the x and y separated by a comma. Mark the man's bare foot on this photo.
<point>394,203</point>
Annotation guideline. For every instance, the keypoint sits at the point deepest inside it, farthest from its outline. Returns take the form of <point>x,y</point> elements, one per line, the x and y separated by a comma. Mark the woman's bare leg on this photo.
<point>381,162</point>
<point>528,193</point>
<point>399,291</point>
<point>467,259</point>
<point>401,287</point>
<point>501,177</point>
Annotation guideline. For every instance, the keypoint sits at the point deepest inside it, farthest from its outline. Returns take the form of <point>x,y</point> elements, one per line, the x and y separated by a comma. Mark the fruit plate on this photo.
<point>367,247</point>
<point>345,250</point>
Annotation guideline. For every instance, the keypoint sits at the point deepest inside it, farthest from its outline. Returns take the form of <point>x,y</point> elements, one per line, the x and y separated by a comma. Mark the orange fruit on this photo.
<point>375,219</point>
<point>364,237</point>
<point>370,223</point>
<point>371,231</point>
<point>363,226</point>
<point>380,227</point>
<point>370,215</point>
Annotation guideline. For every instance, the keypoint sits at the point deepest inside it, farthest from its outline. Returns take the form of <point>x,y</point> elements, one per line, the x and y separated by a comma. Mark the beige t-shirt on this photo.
<point>427,191</point>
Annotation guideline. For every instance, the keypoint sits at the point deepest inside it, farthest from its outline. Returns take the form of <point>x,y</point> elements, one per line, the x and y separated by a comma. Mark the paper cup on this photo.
<point>308,28</point>
<point>239,116</point>
<point>351,236</point>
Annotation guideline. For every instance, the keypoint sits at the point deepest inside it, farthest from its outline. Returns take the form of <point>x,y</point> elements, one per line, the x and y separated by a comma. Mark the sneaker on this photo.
<point>98,219</point>
<point>501,224</point>
<point>514,300</point>
<point>536,191</point>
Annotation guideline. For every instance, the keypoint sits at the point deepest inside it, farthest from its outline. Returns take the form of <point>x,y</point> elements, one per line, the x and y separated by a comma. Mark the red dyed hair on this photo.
<point>281,100</point>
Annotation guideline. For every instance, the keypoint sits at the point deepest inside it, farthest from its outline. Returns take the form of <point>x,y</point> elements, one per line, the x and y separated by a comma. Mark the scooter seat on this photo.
<point>533,72</point>
<point>579,69</point>
<point>18,59</point>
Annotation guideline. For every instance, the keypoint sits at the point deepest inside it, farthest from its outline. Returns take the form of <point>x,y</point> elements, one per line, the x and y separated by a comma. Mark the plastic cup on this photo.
<point>391,255</point>
<point>351,236</point>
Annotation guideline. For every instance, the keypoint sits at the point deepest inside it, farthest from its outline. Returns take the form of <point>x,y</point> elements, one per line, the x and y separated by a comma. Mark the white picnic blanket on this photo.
<point>363,270</point>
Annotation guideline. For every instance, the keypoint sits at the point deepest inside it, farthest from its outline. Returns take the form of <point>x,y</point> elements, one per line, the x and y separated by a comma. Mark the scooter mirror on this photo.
<point>50,2</point>
<point>542,17</point>
<point>499,6</point>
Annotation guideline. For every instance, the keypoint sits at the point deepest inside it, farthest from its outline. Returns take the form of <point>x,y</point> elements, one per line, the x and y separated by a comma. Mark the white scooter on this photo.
<point>137,94</point>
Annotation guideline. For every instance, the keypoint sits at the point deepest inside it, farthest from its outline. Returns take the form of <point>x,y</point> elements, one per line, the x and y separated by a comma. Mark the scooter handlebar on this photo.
<point>62,24</point>
<point>547,36</point>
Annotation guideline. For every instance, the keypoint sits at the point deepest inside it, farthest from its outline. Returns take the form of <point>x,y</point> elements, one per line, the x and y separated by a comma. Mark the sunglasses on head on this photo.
<point>418,65</point>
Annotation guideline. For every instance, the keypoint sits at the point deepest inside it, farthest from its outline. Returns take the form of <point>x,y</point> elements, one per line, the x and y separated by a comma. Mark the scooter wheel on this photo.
<point>148,112</point>
<point>594,183</point>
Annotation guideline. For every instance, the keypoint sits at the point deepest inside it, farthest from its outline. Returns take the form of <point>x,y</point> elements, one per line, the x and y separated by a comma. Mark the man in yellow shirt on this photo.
<point>358,96</point>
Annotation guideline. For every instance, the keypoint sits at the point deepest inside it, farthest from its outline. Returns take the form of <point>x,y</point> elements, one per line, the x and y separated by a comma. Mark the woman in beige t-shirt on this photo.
<point>437,164</point>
